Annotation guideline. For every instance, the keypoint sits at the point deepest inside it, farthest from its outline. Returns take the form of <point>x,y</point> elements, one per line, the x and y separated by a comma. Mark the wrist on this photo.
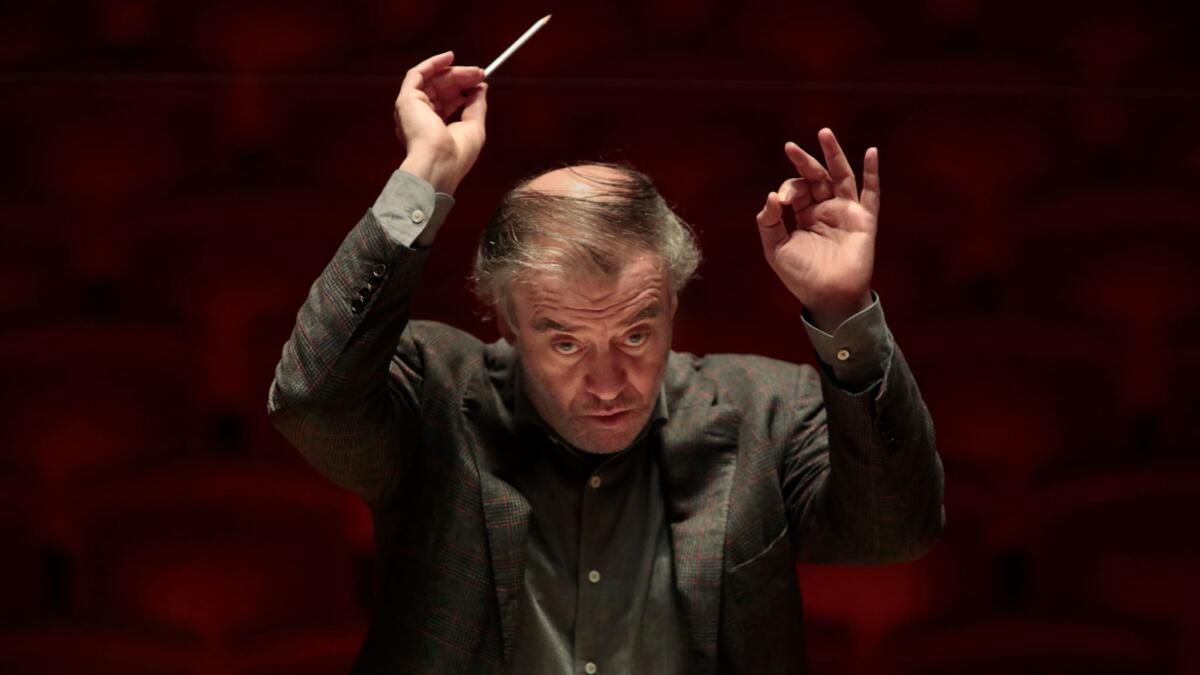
<point>829,316</point>
<point>434,171</point>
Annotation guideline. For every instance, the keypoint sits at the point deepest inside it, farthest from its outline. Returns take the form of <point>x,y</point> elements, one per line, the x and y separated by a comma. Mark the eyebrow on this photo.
<point>546,324</point>
<point>648,312</point>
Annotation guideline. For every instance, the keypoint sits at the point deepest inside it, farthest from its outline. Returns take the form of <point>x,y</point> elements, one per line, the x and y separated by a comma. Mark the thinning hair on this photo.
<point>534,231</point>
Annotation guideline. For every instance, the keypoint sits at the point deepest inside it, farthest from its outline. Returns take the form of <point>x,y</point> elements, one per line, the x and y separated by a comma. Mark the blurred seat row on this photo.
<point>982,645</point>
<point>220,553</point>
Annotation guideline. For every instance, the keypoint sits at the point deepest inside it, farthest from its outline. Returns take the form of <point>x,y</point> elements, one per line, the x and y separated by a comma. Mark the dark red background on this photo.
<point>178,174</point>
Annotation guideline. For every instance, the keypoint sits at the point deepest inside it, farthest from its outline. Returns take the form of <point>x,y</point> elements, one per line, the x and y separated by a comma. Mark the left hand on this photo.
<point>826,261</point>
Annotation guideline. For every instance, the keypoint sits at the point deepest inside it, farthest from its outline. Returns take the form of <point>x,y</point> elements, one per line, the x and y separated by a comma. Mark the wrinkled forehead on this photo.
<point>585,295</point>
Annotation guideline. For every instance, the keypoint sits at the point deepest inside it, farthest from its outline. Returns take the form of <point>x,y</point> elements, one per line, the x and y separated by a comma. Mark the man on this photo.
<point>577,498</point>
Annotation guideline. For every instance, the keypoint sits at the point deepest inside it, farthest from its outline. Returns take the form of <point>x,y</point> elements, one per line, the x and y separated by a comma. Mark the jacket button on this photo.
<point>364,294</point>
<point>379,270</point>
<point>356,306</point>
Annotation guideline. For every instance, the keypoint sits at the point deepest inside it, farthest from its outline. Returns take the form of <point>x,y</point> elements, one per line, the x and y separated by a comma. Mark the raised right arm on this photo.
<point>334,395</point>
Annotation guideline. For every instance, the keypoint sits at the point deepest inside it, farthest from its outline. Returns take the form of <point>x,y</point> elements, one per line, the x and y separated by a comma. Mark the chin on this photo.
<point>603,446</point>
<point>608,436</point>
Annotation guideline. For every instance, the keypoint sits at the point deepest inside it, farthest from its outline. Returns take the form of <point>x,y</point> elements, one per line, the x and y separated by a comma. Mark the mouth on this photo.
<point>610,418</point>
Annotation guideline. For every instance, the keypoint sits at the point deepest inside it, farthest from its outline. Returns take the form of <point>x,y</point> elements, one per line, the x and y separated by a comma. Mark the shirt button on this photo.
<point>418,215</point>
<point>843,354</point>
<point>594,576</point>
<point>595,481</point>
<point>589,668</point>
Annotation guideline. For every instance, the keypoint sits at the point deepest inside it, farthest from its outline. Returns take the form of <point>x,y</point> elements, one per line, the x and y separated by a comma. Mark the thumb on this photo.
<point>475,110</point>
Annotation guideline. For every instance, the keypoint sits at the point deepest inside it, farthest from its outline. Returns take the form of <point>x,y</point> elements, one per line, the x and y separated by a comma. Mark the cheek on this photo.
<point>553,376</point>
<point>644,372</point>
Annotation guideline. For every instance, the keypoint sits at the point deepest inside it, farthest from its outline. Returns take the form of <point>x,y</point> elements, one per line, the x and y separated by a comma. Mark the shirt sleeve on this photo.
<point>408,206</point>
<point>859,350</point>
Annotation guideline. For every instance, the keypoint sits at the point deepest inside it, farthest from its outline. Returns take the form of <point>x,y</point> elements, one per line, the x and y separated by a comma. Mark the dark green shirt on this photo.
<point>599,589</point>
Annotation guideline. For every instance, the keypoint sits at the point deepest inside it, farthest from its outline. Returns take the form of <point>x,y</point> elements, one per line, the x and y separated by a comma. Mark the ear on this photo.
<point>674,304</point>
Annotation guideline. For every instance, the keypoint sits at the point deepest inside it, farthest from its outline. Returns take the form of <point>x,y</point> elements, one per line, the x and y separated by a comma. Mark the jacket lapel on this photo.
<point>696,465</point>
<point>505,510</point>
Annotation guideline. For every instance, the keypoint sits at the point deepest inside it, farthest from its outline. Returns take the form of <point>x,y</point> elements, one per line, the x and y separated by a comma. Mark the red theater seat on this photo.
<point>1030,646</point>
<point>86,399</point>
<point>831,648</point>
<point>1121,540</point>
<point>1016,399</point>
<point>23,582</point>
<point>323,651</point>
<point>867,602</point>
<point>103,160</point>
<point>217,551</point>
<point>99,650</point>
<point>1179,430</point>
<point>255,36</point>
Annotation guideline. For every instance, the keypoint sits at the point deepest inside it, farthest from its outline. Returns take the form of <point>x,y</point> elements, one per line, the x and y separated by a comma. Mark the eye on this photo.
<point>637,339</point>
<point>565,347</point>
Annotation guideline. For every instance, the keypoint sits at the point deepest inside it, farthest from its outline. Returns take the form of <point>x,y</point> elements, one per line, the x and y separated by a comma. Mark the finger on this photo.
<point>426,94</point>
<point>450,87</point>
<point>870,191</point>
<point>474,113</point>
<point>770,225</point>
<point>455,81</point>
<point>839,167</point>
<point>417,75</point>
<point>795,192</point>
<point>445,107</point>
<point>821,184</point>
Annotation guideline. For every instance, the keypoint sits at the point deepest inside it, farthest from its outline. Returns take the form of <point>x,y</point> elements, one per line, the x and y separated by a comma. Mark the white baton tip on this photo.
<point>515,45</point>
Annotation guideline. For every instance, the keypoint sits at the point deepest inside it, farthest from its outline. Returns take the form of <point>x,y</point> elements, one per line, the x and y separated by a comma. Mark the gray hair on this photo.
<point>535,231</point>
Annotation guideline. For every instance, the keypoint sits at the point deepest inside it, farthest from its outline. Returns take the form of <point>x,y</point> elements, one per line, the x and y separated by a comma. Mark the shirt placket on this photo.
<point>598,587</point>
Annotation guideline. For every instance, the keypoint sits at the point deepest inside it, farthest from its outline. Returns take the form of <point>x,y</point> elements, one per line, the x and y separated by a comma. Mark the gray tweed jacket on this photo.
<point>763,464</point>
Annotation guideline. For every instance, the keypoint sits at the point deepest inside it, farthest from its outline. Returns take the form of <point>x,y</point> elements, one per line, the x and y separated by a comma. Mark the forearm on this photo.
<point>883,492</point>
<point>348,327</point>
<point>332,396</point>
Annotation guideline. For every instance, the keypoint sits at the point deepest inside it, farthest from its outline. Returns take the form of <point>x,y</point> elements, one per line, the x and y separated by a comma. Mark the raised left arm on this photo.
<point>862,480</point>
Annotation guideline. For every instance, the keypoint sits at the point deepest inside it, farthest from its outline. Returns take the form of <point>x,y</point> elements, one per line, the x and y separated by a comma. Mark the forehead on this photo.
<point>586,298</point>
<point>579,181</point>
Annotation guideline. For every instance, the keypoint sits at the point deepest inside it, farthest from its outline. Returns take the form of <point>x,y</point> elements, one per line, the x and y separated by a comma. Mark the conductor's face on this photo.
<point>593,350</point>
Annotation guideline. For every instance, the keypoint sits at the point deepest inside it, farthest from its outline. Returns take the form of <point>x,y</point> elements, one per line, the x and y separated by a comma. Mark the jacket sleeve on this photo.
<point>862,480</point>
<point>343,392</point>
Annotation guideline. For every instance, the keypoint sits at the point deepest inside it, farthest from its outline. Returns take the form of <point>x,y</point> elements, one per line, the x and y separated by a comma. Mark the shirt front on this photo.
<point>599,585</point>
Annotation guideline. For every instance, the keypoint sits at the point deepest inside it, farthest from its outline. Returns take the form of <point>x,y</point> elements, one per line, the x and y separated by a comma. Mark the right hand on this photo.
<point>431,93</point>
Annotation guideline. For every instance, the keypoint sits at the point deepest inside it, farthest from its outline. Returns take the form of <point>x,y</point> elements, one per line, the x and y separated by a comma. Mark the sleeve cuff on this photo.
<point>408,207</point>
<point>859,349</point>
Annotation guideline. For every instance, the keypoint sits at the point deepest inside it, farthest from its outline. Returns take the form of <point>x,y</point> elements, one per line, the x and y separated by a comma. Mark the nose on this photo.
<point>605,378</point>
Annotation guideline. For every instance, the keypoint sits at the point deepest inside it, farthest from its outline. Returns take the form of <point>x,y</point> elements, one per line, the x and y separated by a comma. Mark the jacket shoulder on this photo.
<point>735,374</point>
<point>763,389</point>
<point>432,348</point>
